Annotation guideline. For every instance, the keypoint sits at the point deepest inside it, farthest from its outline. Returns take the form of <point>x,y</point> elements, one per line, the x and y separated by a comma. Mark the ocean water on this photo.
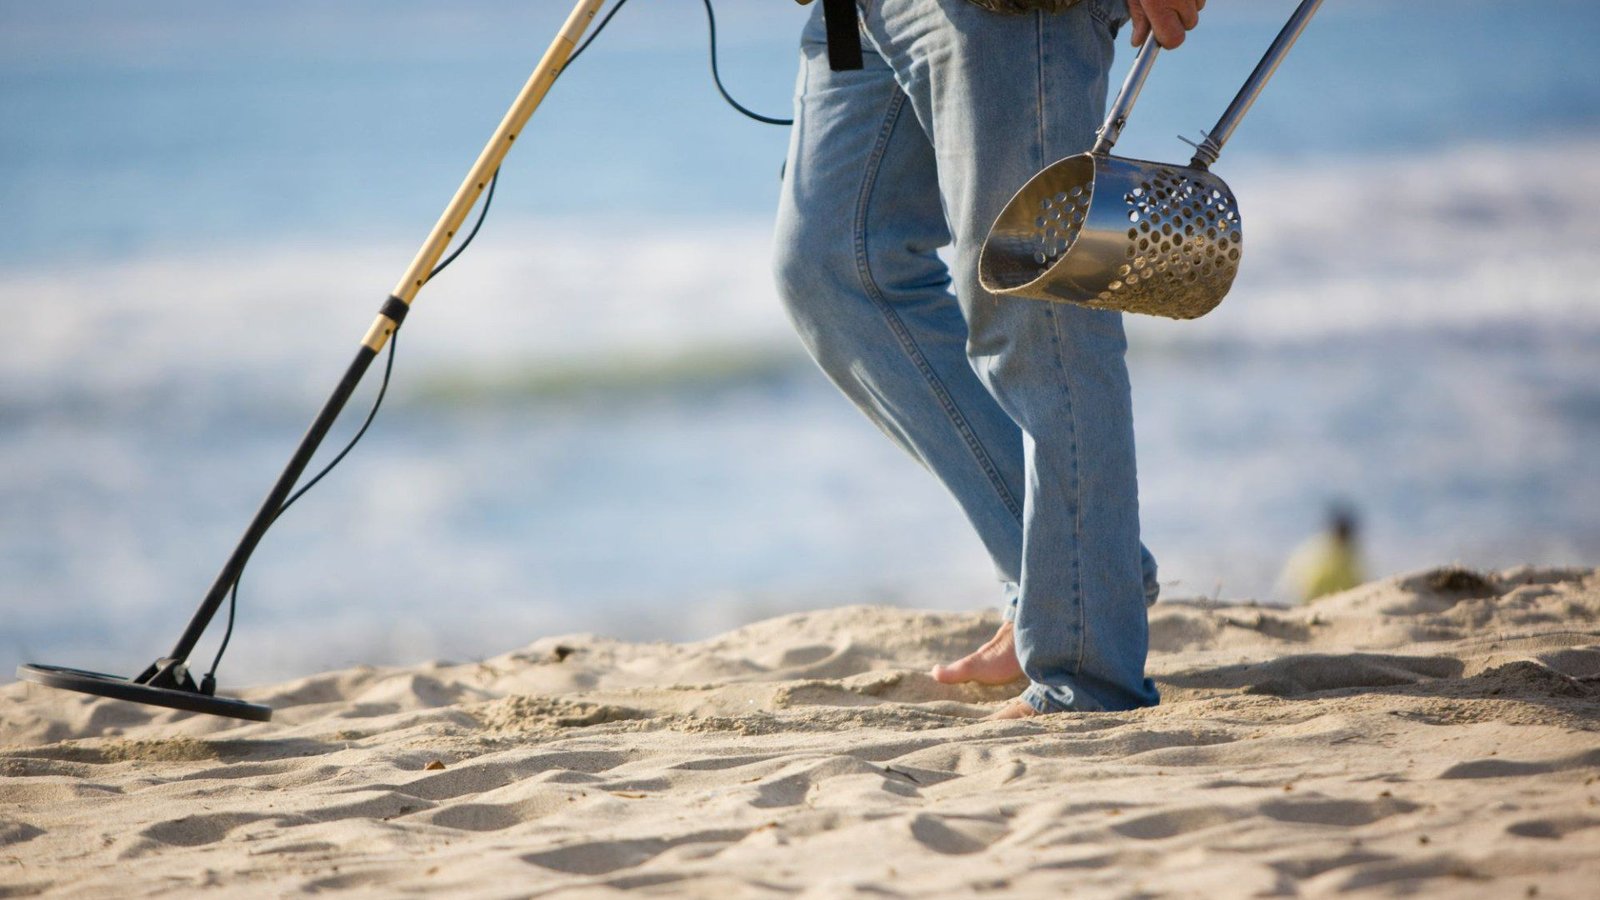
<point>599,419</point>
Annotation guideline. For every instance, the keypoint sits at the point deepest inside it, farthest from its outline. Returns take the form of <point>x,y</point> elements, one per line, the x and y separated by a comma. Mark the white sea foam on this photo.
<point>534,294</point>
<point>1479,236</point>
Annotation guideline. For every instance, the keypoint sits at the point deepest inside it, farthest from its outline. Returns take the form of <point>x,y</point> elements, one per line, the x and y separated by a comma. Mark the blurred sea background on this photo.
<point>600,420</point>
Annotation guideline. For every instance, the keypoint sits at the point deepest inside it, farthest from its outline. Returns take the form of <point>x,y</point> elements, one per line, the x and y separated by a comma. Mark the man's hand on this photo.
<point>1169,19</point>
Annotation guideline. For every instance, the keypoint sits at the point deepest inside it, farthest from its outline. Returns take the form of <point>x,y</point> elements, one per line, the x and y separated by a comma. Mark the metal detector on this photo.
<point>167,681</point>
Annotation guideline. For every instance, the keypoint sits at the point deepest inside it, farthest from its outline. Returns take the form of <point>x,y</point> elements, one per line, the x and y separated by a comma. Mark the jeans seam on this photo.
<point>1076,490</point>
<point>902,334</point>
<point>1039,107</point>
<point>1058,339</point>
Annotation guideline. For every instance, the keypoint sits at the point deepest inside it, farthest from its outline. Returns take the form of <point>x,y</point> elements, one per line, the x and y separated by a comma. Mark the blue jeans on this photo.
<point>1021,408</point>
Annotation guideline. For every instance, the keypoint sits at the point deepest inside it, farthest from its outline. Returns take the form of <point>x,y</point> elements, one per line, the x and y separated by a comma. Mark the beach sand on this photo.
<point>1434,734</point>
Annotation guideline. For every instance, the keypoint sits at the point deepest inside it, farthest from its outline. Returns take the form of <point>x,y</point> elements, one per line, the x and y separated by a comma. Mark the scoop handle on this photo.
<point>1206,153</point>
<point>1118,116</point>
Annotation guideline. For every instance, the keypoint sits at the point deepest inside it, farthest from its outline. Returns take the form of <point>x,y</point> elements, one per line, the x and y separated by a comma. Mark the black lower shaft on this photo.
<point>273,504</point>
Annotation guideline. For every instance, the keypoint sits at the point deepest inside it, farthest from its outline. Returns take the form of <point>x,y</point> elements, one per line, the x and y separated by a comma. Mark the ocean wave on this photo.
<point>698,370</point>
<point>1484,237</point>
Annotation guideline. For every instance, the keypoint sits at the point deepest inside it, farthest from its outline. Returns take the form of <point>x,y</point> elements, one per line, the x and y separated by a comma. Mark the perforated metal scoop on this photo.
<point>1114,233</point>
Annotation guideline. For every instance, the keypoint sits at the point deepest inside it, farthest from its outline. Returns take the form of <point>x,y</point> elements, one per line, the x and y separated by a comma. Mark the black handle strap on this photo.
<point>844,35</point>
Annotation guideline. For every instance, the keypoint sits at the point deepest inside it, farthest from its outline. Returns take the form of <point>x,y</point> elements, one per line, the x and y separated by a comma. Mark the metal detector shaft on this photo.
<point>268,511</point>
<point>388,321</point>
<point>516,118</point>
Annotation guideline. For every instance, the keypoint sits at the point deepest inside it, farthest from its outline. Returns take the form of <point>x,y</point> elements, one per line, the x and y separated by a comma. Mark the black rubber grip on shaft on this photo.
<point>395,309</point>
<point>844,35</point>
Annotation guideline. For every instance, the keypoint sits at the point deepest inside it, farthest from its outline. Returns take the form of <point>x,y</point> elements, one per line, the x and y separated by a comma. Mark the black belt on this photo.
<point>844,35</point>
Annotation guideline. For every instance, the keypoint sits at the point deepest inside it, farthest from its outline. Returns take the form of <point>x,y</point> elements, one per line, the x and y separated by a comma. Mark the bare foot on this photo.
<point>1015,708</point>
<point>993,663</point>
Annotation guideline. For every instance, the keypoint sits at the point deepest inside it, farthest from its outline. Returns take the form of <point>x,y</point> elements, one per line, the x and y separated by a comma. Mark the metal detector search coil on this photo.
<point>1108,232</point>
<point>117,688</point>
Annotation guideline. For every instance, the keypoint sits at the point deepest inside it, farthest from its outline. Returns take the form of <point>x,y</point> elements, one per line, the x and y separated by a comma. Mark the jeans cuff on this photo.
<point>1009,593</point>
<point>1040,698</point>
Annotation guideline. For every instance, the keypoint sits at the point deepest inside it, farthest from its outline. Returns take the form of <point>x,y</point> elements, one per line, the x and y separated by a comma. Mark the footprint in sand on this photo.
<point>196,831</point>
<point>485,775</point>
<point>1171,823</point>
<point>1346,813</point>
<point>1552,829</point>
<point>956,835</point>
<point>1508,768</point>
<point>605,857</point>
<point>17,833</point>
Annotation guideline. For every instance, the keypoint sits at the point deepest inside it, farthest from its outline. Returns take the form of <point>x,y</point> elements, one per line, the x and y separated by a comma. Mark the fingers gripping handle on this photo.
<point>1123,105</point>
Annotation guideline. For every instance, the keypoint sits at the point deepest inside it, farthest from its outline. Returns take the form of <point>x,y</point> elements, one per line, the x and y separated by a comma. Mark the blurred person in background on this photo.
<point>1328,563</point>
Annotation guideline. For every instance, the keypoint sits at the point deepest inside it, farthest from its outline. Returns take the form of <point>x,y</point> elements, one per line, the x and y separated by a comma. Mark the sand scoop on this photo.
<point>1114,233</point>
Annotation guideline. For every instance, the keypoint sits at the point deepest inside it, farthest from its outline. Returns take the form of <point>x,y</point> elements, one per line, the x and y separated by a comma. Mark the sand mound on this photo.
<point>1434,733</point>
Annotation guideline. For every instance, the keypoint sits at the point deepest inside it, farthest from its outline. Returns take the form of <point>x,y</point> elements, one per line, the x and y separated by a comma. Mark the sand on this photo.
<point>1434,734</point>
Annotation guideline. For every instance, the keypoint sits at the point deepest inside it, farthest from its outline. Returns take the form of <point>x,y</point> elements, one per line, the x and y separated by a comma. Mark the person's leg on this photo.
<point>877,312</point>
<point>1001,97</point>
<point>859,222</point>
